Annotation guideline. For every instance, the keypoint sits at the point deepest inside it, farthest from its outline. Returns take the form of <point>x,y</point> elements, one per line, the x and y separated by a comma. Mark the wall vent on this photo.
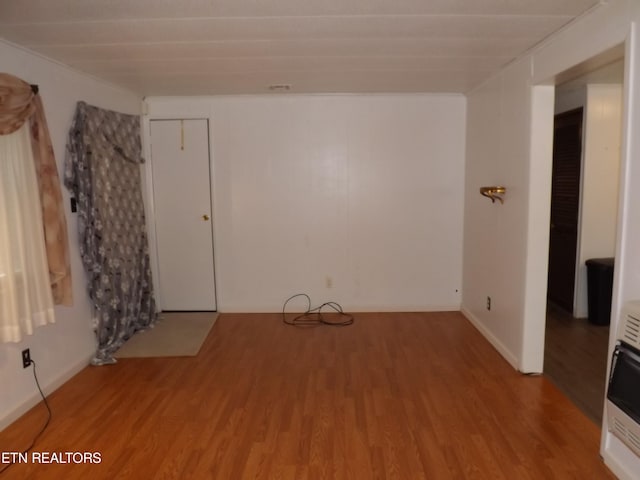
<point>619,426</point>
<point>629,329</point>
<point>631,332</point>
<point>623,395</point>
<point>280,87</point>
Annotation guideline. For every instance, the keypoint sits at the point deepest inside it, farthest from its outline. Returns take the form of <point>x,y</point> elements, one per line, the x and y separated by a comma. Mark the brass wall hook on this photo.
<point>494,192</point>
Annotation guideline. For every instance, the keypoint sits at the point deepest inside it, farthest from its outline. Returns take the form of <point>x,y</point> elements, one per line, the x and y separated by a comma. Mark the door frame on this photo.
<point>539,196</point>
<point>173,108</point>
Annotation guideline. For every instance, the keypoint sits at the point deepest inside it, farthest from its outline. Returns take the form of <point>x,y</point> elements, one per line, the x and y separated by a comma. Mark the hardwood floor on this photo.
<point>576,360</point>
<point>396,395</point>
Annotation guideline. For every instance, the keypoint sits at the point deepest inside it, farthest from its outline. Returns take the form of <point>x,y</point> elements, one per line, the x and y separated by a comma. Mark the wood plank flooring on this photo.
<point>396,395</point>
<point>575,360</point>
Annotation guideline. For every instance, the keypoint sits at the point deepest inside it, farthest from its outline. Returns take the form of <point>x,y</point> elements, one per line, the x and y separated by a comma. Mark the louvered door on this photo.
<point>565,203</point>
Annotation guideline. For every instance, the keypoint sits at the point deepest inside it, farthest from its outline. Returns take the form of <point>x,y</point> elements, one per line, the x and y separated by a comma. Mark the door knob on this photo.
<point>205,217</point>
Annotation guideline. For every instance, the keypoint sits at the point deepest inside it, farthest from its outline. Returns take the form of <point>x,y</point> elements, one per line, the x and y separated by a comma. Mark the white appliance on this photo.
<point>623,390</point>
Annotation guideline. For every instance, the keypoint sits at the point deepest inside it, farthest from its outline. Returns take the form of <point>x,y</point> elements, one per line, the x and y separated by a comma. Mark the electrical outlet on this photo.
<point>488,303</point>
<point>26,358</point>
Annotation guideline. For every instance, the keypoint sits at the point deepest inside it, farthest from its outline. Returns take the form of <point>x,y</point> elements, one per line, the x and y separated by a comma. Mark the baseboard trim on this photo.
<point>491,338</point>
<point>350,309</point>
<point>48,388</point>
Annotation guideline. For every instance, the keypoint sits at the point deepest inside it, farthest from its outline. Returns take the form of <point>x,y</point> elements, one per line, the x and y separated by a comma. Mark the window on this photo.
<point>25,290</point>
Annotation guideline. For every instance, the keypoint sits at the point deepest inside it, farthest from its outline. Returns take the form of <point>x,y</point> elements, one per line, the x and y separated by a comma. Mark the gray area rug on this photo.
<point>178,334</point>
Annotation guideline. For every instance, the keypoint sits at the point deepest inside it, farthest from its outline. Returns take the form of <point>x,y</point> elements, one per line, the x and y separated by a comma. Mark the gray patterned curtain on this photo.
<point>102,170</point>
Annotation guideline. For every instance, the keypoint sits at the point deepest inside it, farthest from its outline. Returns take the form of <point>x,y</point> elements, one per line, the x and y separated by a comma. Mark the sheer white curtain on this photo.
<point>25,291</point>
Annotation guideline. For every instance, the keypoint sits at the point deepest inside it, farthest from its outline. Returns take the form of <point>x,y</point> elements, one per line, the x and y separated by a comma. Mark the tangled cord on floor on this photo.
<point>313,316</point>
<point>44,427</point>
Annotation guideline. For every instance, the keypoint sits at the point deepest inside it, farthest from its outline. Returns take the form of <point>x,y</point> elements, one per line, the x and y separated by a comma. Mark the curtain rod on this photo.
<point>34,89</point>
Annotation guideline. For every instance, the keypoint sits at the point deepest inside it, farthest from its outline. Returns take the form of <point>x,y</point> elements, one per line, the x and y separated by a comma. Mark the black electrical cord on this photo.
<point>46,424</point>
<point>313,316</point>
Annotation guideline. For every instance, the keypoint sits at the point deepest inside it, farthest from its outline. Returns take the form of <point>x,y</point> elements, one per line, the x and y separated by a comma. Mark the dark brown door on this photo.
<point>565,201</point>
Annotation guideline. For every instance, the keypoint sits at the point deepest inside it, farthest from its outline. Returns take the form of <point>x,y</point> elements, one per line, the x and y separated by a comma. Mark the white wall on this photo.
<point>61,349</point>
<point>600,178</point>
<point>354,199</point>
<point>519,333</point>
<point>570,99</point>
<point>496,234</point>
<point>600,171</point>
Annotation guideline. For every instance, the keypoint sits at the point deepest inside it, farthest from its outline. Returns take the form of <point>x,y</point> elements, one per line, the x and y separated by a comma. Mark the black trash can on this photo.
<point>599,289</point>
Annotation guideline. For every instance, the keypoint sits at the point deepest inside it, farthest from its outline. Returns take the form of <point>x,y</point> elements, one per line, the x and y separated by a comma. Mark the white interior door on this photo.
<point>183,220</point>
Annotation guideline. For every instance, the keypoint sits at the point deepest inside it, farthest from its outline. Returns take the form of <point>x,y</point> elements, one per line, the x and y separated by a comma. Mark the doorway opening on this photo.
<point>583,225</point>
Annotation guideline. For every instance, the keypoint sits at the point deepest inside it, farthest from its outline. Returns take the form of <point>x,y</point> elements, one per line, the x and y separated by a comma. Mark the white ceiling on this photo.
<point>206,47</point>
